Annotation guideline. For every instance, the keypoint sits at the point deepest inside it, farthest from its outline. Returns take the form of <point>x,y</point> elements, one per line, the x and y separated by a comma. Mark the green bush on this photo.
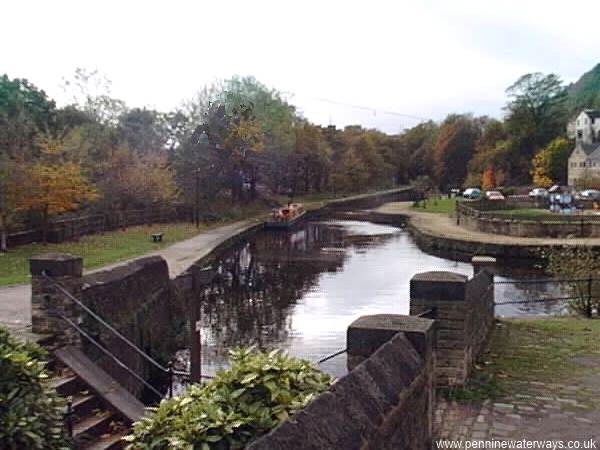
<point>30,411</point>
<point>259,391</point>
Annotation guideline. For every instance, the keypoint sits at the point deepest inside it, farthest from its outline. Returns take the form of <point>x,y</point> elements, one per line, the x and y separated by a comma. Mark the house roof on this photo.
<point>595,154</point>
<point>589,149</point>
<point>592,113</point>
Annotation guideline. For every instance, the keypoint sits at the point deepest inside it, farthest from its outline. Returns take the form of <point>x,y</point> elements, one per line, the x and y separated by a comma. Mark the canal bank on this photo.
<point>439,234</point>
<point>15,300</point>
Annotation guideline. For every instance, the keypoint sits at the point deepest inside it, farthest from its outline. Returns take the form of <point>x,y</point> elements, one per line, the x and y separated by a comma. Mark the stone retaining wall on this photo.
<point>513,227</point>
<point>137,300</point>
<point>464,312</point>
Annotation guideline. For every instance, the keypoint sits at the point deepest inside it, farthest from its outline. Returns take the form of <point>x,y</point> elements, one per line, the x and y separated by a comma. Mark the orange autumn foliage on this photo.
<point>488,179</point>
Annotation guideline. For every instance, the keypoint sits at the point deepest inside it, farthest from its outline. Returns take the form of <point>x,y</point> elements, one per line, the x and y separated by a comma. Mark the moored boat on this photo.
<point>286,216</point>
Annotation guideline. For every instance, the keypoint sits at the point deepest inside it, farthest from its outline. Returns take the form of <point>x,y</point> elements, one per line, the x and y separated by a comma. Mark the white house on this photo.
<point>584,162</point>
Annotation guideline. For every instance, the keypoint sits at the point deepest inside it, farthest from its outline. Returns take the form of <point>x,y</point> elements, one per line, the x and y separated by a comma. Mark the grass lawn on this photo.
<point>440,206</point>
<point>539,350</point>
<point>96,249</point>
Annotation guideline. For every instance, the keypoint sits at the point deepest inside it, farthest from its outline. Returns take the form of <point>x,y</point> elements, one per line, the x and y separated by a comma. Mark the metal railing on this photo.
<point>169,370</point>
<point>586,293</point>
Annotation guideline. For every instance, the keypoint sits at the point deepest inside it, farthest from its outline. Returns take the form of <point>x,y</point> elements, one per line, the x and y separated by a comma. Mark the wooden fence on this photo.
<point>72,228</point>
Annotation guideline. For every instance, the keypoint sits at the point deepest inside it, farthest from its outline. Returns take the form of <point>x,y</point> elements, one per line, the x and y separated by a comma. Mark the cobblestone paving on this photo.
<point>537,411</point>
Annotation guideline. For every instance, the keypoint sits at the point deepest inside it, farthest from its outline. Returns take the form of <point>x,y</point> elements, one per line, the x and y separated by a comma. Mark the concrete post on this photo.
<point>45,297</point>
<point>446,292</point>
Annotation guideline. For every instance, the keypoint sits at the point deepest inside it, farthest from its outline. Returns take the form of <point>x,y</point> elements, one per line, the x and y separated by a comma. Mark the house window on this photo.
<point>577,122</point>
<point>579,134</point>
<point>581,164</point>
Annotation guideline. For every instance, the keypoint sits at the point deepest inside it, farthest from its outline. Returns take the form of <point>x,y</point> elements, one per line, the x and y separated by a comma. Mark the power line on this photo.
<point>366,108</point>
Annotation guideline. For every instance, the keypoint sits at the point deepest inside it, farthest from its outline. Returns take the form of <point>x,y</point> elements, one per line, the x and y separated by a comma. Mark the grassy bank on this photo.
<point>542,350</point>
<point>439,206</point>
<point>96,249</point>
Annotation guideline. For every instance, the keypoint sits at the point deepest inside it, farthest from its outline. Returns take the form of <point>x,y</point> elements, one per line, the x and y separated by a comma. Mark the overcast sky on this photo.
<point>420,58</point>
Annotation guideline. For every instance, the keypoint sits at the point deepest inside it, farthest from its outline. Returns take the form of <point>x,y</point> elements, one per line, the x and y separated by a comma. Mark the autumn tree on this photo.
<point>488,178</point>
<point>54,185</point>
<point>453,149</point>
<point>308,162</point>
<point>549,165</point>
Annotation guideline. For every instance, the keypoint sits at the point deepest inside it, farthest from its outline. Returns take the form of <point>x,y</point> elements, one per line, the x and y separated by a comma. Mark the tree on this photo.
<point>453,149</point>
<point>144,130</point>
<point>578,263</point>
<point>488,179</point>
<point>549,165</point>
<point>11,191</point>
<point>308,163</point>
<point>25,114</point>
<point>91,92</point>
<point>54,185</point>
<point>537,111</point>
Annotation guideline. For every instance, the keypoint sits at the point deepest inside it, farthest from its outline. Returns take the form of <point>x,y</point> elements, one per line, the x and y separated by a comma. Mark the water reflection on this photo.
<point>300,290</point>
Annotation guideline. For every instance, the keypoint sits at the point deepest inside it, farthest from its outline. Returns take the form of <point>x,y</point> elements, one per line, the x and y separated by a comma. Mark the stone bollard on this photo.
<point>46,298</point>
<point>446,293</point>
<point>483,262</point>
<point>368,333</point>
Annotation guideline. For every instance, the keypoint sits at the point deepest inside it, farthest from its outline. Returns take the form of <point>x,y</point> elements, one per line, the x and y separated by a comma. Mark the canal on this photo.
<point>299,290</point>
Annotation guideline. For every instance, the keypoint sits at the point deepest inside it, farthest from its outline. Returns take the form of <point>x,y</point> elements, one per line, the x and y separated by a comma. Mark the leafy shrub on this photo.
<point>259,391</point>
<point>30,411</point>
<point>580,263</point>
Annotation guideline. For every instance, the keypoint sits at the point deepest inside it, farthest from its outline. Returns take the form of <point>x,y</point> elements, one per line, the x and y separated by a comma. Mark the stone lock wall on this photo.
<point>384,403</point>
<point>464,312</point>
<point>135,298</point>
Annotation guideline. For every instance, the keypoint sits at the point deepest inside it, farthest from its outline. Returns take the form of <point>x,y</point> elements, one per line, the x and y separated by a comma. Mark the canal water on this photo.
<point>299,290</point>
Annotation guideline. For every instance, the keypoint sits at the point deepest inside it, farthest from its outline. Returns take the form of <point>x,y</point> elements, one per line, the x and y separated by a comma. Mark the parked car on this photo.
<point>494,195</point>
<point>472,193</point>
<point>588,194</point>
<point>539,193</point>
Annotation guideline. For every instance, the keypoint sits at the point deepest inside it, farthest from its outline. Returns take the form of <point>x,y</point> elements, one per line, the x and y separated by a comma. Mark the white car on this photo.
<point>589,194</point>
<point>472,193</point>
<point>494,195</point>
<point>539,193</point>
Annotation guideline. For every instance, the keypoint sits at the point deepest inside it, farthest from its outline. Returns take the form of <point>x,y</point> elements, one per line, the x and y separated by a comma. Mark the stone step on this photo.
<point>108,389</point>
<point>108,442</point>
<point>85,405</point>
<point>67,385</point>
<point>89,428</point>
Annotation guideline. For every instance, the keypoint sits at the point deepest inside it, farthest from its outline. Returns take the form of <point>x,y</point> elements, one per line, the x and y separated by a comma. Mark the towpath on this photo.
<point>15,304</point>
<point>440,225</point>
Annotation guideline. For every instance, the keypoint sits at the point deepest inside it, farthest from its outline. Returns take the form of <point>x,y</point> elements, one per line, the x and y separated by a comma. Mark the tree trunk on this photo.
<point>45,226</point>
<point>3,233</point>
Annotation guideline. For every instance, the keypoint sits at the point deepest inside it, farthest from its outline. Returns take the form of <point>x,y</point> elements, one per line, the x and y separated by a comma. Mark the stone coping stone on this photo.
<point>124,271</point>
<point>56,264</point>
<point>367,333</point>
<point>438,286</point>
